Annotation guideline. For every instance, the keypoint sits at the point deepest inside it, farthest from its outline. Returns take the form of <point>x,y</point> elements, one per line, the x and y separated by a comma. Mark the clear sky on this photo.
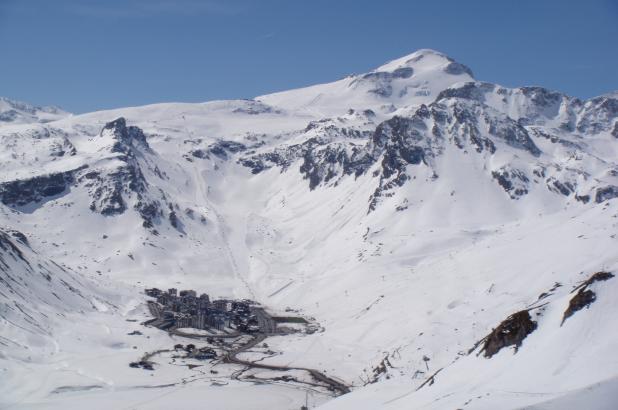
<point>88,55</point>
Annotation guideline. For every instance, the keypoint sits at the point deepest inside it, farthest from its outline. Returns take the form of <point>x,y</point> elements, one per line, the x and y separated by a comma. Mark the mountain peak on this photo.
<point>413,57</point>
<point>414,79</point>
<point>126,136</point>
<point>426,60</point>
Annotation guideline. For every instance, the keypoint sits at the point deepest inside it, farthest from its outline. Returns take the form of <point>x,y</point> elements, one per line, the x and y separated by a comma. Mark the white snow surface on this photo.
<point>16,112</point>
<point>409,285</point>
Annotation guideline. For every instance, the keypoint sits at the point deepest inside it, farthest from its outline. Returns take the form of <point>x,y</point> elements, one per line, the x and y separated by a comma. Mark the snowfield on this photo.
<point>406,213</point>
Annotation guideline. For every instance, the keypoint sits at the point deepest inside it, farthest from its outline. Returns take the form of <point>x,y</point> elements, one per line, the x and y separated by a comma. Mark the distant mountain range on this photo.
<point>15,112</point>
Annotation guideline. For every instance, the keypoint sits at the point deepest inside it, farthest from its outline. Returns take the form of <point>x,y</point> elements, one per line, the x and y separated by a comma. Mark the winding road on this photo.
<point>231,357</point>
<point>268,327</point>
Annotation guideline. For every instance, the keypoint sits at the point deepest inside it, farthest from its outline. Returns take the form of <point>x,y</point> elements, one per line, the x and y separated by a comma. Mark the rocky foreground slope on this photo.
<point>411,210</point>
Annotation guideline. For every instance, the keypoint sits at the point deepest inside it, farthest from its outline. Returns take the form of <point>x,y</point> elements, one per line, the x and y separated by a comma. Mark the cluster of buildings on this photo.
<point>184,309</point>
<point>203,353</point>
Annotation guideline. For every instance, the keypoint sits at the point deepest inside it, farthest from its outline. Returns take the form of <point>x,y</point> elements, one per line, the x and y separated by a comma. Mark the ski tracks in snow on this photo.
<point>202,198</point>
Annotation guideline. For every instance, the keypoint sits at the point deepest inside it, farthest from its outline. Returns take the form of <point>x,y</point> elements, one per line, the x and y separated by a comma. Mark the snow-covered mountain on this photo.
<point>38,295</point>
<point>411,211</point>
<point>16,112</point>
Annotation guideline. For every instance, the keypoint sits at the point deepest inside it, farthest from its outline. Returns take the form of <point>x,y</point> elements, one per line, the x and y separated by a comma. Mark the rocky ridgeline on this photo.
<point>36,190</point>
<point>468,117</point>
<point>19,112</point>
<point>512,135</point>
<point>112,189</point>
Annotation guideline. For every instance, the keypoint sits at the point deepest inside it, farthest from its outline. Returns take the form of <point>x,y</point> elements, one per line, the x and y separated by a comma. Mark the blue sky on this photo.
<point>88,55</point>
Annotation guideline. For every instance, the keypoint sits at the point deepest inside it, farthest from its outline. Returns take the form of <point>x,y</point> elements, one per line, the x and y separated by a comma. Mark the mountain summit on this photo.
<point>413,79</point>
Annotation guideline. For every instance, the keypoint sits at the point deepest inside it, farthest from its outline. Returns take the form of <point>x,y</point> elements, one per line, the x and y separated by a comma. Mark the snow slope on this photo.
<point>411,80</point>
<point>409,210</point>
<point>16,112</point>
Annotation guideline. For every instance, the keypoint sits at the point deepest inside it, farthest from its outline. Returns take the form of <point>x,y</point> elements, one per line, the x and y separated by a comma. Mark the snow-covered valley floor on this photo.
<point>90,363</point>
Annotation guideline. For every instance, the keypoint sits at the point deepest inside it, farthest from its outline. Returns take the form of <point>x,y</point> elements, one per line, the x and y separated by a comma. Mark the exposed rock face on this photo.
<point>150,211</point>
<point>455,68</point>
<point>322,156</point>
<point>107,188</point>
<point>115,189</point>
<point>255,108</point>
<point>555,139</point>
<point>584,296</point>
<point>7,245</point>
<point>323,162</point>
<point>200,153</point>
<point>470,91</point>
<point>606,193</point>
<point>542,99</point>
<point>597,115</point>
<point>511,332</point>
<point>9,116</point>
<point>513,181</point>
<point>417,140</point>
<point>512,133</point>
<point>526,105</point>
<point>128,138</point>
<point>380,81</point>
<point>262,162</point>
<point>111,188</point>
<point>398,143</point>
<point>222,149</point>
<point>564,188</point>
<point>37,189</point>
<point>62,149</point>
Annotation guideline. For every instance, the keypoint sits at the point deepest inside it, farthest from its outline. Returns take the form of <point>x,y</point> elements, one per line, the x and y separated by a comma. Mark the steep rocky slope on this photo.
<point>38,295</point>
